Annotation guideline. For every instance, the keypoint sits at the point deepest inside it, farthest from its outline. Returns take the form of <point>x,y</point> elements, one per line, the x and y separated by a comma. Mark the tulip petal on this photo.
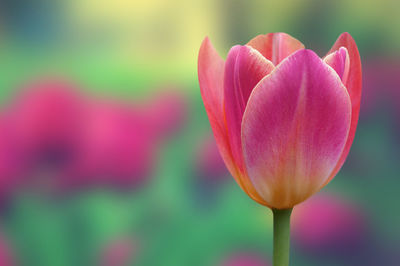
<point>210,72</point>
<point>353,85</point>
<point>294,129</point>
<point>340,62</point>
<point>275,46</point>
<point>244,68</point>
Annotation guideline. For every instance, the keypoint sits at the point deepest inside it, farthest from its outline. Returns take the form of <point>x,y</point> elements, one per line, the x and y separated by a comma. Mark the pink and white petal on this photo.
<point>340,62</point>
<point>211,76</point>
<point>275,46</point>
<point>294,129</point>
<point>353,85</point>
<point>244,68</point>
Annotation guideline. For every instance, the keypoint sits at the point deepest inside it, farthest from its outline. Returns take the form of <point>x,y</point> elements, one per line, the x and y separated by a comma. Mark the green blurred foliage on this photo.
<point>169,223</point>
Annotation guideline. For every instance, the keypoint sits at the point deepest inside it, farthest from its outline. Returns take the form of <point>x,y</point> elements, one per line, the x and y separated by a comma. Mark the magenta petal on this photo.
<point>244,68</point>
<point>340,62</point>
<point>294,129</point>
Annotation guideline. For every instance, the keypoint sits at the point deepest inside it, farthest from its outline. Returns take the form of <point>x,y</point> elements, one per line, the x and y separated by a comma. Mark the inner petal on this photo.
<point>276,46</point>
<point>340,62</point>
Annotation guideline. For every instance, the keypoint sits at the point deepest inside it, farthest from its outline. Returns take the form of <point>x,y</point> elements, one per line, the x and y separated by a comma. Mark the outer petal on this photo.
<point>294,129</point>
<point>340,62</point>
<point>353,85</point>
<point>210,72</point>
<point>244,68</point>
<point>276,46</point>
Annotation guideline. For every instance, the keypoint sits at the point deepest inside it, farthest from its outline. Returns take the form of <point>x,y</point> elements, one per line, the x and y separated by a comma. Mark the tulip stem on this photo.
<point>281,236</point>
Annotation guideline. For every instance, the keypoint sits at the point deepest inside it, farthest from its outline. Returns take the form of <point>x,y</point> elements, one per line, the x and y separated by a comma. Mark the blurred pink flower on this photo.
<point>245,259</point>
<point>326,222</point>
<point>12,165</point>
<point>70,140</point>
<point>45,118</point>
<point>120,252</point>
<point>117,147</point>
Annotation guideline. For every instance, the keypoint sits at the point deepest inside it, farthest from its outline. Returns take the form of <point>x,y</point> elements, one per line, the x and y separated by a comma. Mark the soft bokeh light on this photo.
<point>106,152</point>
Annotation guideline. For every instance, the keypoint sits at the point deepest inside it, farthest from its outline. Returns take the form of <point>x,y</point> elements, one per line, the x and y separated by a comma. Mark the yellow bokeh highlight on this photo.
<point>152,33</point>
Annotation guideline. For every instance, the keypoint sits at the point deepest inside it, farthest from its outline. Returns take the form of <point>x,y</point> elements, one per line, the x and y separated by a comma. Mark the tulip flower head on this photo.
<point>283,118</point>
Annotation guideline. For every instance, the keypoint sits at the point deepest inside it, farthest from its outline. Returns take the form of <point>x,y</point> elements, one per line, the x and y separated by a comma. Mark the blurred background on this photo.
<point>107,157</point>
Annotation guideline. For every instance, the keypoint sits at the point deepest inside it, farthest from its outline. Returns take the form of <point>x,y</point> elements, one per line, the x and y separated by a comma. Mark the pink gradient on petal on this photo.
<point>211,79</point>
<point>275,46</point>
<point>293,132</point>
<point>326,222</point>
<point>211,76</point>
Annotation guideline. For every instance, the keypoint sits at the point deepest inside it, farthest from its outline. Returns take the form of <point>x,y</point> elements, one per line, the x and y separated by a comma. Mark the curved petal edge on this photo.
<point>354,86</point>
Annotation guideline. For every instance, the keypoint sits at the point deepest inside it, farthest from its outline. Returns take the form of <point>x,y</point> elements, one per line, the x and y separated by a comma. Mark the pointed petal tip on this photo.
<point>346,37</point>
<point>304,55</point>
<point>346,34</point>
<point>339,60</point>
<point>206,40</point>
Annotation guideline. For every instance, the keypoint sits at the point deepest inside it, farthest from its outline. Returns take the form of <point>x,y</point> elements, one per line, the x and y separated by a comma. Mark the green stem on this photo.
<point>281,236</point>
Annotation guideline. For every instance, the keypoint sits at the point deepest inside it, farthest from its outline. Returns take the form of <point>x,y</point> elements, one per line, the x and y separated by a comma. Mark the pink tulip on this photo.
<point>283,118</point>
